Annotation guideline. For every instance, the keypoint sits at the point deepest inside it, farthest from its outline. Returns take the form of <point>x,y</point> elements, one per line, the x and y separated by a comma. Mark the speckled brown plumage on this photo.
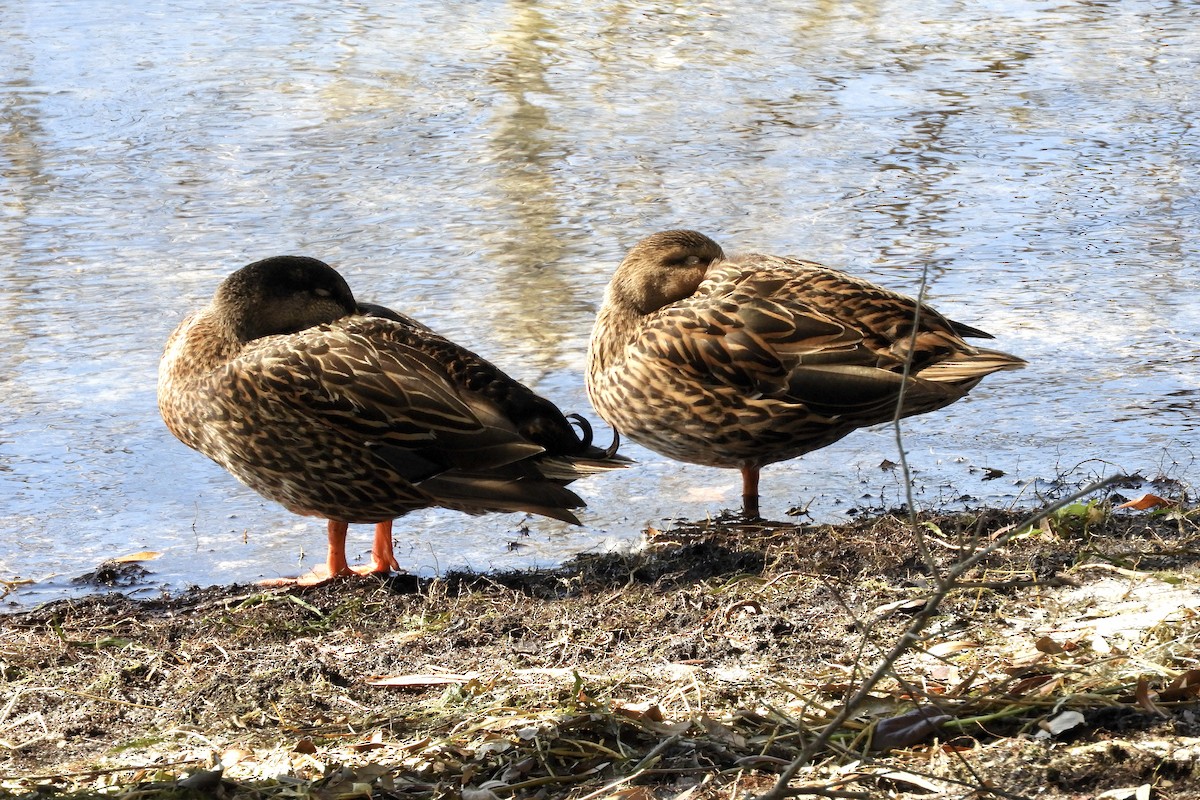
<point>358,414</point>
<point>744,362</point>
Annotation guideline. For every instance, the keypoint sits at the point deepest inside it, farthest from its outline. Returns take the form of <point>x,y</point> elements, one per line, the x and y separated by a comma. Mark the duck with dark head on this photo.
<point>359,414</point>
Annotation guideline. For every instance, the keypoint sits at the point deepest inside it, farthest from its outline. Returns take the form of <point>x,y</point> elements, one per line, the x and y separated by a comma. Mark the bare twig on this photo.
<point>911,635</point>
<point>638,771</point>
<point>945,583</point>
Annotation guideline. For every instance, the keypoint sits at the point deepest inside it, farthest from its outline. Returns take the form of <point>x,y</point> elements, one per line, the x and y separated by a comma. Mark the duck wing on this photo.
<point>801,333</point>
<point>359,384</point>
<point>358,378</point>
<point>538,420</point>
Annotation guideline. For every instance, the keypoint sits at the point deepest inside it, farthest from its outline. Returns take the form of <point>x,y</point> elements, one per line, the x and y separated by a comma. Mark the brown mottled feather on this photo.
<point>356,413</point>
<point>745,362</point>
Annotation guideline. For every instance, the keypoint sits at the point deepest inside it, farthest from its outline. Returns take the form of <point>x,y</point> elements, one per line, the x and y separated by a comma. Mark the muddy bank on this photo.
<point>698,667</point>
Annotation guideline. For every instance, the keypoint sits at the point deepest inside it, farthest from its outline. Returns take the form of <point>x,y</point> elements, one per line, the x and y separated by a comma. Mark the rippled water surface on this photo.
<point>484,166</point>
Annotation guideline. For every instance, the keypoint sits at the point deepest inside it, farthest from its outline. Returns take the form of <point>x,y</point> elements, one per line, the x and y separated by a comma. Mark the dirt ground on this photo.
<point>1064,666</point>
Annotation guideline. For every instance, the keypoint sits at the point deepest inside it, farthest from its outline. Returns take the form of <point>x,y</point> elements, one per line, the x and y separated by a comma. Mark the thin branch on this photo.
<point>910,499</point>
<point>639,770</point>
<point>912,634</point>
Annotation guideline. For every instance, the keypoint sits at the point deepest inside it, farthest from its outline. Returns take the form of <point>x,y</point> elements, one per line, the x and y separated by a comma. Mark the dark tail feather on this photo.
<point>967,332</point>
<point>477,494</point>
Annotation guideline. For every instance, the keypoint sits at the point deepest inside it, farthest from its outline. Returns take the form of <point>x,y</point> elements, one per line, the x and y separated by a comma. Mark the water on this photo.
<point>484,166</point>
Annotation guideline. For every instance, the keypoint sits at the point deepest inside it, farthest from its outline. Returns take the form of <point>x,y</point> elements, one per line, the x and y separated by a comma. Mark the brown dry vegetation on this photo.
<point>699,667</point>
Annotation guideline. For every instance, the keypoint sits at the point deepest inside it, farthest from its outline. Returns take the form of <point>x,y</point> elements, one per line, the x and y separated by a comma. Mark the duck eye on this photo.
<point>682,260</point>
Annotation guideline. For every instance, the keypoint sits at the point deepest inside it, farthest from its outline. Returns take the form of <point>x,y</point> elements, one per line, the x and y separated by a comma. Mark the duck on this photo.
<point>358,414</point>
<point>748,361</point>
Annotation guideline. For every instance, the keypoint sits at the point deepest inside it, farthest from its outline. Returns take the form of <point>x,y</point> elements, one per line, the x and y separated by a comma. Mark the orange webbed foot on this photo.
<point>318,576</point>
<point>382,562</point>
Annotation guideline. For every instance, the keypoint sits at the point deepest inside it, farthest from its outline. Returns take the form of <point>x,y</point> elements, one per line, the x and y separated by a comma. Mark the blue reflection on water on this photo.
<point>484,166</point>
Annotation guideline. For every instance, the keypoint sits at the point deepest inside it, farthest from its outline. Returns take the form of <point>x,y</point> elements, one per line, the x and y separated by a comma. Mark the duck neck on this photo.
<point>616,328</point>
<point>199,345</point>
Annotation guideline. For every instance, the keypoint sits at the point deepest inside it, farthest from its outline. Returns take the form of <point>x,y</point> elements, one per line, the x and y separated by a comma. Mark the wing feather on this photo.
<point>375,390</point>
<point>802,333</point>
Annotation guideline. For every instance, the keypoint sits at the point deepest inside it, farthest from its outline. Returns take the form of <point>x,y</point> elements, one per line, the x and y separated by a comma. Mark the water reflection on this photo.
<point>484,166</point>
<point>526,243</point>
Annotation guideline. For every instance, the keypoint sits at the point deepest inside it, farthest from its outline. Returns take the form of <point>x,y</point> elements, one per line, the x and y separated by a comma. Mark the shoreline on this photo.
<point>702,664</point>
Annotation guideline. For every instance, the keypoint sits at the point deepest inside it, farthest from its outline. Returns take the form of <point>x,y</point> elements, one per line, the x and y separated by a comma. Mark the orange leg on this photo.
<point>335,559</point>
<point>383,560</point>
<point>750,493</point>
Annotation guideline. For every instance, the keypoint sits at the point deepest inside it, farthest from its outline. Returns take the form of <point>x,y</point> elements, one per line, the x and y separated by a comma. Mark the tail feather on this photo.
<point>476,494</point>
<point>570,468</point>
<point>971,367</point>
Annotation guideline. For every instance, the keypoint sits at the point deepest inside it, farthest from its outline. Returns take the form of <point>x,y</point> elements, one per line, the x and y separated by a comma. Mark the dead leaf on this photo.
<point>743,607</point>
<point>631,793</point>
<point>899,776</point>
<point>647,710</point>
<point>1127,793</point>
<point>907,729</point>
<point>1146,502</point>
<point>374,743</point>
<point>1042,683</point>
<point>1062,723</point>
<point>144,555</point>
<point>305,746</point>
<point>419,680</point>
<point>414,746</point>
<point>1184,687</point>
<point>909,605</point>
<point>1145,697</point>
<point>943,649</point>
<point>1048,645</point>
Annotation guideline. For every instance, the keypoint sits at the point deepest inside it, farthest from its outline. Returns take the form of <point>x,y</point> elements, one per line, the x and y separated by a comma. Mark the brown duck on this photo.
<point>743,362</point>
<point>357,414</point>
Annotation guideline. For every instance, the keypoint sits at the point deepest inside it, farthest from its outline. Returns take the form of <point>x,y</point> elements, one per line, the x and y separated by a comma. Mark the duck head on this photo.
<point>281,295</point>
<point>663,268</point>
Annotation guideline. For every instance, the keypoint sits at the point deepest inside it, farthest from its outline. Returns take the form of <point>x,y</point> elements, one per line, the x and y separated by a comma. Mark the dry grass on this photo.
<point>1063,664</point>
